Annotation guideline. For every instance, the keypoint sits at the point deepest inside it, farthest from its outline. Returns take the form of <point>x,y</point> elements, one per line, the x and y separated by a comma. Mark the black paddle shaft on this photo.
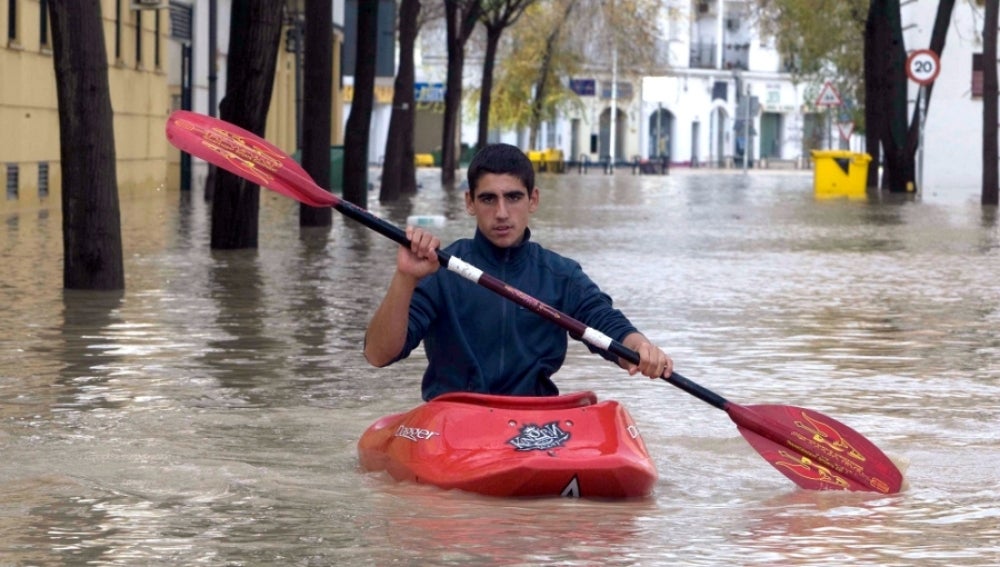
<point>575,328</point>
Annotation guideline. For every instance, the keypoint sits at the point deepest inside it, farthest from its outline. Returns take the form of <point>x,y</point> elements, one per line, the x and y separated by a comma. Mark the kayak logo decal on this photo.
<point>534,437</point>
<point>414,433</point>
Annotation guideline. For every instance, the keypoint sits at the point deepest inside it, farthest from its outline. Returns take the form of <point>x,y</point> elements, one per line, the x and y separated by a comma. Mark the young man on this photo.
<point>476,340</point>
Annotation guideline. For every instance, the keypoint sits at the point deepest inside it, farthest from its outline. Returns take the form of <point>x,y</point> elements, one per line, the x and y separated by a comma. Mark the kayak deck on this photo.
<point>512,446</point>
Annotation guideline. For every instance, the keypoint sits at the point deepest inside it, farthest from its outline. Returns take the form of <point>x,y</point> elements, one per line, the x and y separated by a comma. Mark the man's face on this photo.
<point>502,206</point>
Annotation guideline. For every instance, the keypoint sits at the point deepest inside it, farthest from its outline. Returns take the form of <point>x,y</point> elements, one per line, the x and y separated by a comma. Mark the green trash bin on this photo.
<point>336,167</point>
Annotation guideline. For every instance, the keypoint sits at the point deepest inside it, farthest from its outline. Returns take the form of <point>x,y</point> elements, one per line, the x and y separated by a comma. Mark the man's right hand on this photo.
<point>420,259</point>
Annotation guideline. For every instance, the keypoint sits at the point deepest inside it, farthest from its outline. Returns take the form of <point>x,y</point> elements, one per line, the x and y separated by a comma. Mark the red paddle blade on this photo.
<point>816,451</point>
<point>245,154</point>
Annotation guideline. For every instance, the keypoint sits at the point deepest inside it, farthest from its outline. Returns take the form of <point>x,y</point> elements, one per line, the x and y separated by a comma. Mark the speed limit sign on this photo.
<point>923,66</point>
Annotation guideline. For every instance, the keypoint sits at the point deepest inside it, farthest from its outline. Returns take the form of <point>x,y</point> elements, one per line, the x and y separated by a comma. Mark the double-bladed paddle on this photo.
<point>813,450</point>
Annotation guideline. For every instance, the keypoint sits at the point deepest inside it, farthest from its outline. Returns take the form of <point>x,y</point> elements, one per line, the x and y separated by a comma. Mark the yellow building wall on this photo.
<point>281,129</point>
<point>141,99</point>
<point>29,118</point>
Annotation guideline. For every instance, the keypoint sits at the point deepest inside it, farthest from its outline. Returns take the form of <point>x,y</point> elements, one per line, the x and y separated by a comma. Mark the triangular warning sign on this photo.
<point>846,129</point>
<point>828,96</point>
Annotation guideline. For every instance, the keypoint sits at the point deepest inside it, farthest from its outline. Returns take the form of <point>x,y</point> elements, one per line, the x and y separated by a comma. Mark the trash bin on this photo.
<point>537,159</point>
<point>336,167</point>
<point>553,159</point>
<point>840,173</point>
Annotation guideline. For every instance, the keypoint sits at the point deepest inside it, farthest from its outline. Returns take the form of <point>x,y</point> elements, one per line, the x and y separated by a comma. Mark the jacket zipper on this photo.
<point>504,314</point>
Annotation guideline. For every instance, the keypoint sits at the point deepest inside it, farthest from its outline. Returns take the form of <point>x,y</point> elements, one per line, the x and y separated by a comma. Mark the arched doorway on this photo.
<point>621,126</point>
<point>661,134</point>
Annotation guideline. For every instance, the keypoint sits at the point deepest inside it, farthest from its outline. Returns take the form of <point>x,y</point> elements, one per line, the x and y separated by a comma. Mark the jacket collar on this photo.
<point>499,255</point>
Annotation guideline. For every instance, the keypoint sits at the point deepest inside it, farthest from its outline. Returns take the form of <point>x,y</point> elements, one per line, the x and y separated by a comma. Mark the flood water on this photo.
<point>209,415</point>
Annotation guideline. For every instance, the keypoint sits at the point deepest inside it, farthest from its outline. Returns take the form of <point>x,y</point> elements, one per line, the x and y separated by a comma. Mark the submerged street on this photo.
<point>209,415</point>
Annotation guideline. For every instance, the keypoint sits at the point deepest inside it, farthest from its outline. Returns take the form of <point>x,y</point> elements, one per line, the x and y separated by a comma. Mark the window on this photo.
<point>118,30</point>
<point>156,39</point>
<point>43,24</point>
<point>181,25</point>
<point>12,21</point>
<point>138,38</point>
<point>12,178</point>
<point>43,179</point>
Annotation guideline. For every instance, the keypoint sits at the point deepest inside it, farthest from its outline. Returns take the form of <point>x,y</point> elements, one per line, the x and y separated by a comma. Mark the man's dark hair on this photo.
<point>501,159</point>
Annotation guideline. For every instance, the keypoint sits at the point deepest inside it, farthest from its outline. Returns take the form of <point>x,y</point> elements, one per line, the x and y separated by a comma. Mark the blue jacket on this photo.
<point>478,341</point>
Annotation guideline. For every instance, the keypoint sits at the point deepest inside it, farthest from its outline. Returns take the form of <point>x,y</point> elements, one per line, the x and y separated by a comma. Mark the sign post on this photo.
<point>922,67</point>
<point>829,97</point>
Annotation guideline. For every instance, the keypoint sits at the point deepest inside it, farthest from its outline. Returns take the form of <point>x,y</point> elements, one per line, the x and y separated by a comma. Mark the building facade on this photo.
<point>160,55</point>
<point>723,98</point>
<point>953,130</point>
<point>197,74</point>
<point>137,63</point>
<point>723,93</point>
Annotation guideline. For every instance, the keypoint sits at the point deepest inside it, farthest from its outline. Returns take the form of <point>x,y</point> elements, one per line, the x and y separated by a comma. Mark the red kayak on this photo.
<point>568,445</point>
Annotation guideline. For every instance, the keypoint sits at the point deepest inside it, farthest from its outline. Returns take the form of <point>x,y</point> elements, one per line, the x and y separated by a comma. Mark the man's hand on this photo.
<point>653,362</point>
<point>420,259</point>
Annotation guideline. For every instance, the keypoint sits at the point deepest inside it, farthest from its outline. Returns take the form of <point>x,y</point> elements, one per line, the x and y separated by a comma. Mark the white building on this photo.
<point>953,165</point>
<point>690,112</point>
<point>695,112</point>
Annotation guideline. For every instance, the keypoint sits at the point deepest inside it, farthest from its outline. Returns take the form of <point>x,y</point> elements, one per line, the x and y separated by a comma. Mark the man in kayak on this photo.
<point>476,340</point>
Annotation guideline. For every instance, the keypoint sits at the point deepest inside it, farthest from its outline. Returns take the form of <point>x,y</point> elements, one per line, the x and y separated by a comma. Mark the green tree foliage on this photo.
<point>821,41</point>
<point>631,26</point>
<point>536,40</point>
<point>497,16</point>
<point>556,40</point>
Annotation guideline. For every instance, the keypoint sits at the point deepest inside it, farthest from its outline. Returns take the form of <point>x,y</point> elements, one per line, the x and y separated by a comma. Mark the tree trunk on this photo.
<point>92,240</point>
<point>900,163</point>
<point>889,94</point>
<point>497,15</point>
<point>318,86</point>
<point>874,87</point>
<point>254,35</point>
<point>990,92</point>
<point>541,91</point>
<point>358,133</point>
<point>544,74</point>
<point>399,176</point>
<point>461,17</point>
<point>486,91</point>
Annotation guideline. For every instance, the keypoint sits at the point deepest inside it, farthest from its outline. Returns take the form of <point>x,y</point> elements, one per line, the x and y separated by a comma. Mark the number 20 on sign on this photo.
<point>923,66</point>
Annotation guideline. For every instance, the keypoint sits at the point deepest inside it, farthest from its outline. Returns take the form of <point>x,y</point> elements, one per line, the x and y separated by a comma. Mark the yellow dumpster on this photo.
<point>840,173</point>
<point>553,160</point>
<point>537,159</point>
<point>423,160</point>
